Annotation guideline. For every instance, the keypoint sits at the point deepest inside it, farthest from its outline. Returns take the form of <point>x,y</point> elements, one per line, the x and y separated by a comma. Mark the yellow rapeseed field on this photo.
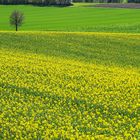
<point>60,98</point>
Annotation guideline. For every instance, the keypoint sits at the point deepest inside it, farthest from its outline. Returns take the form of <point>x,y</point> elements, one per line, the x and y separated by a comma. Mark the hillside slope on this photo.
<point>73,19</point>
<point>69,85</point>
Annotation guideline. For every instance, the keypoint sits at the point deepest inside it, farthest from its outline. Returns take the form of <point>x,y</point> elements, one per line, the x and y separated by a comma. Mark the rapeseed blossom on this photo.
<point>55,98</point>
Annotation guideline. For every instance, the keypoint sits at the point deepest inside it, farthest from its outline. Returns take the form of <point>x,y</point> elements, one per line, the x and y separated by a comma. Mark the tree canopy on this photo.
<point>16,19</point>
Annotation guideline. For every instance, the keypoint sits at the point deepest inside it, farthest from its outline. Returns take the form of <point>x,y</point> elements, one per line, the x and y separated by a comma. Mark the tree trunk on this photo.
<point>16,28</point>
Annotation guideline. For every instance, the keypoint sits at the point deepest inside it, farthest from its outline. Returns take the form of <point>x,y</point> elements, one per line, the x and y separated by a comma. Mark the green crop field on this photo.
<point>58,86</point>
<point>75,18</point>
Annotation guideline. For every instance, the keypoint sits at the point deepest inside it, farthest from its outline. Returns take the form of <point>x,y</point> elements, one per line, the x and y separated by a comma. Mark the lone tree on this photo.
<point>16,19</point>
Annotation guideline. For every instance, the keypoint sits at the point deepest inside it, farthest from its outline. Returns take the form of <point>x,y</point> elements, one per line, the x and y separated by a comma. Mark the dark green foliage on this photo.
<point>37,2</point>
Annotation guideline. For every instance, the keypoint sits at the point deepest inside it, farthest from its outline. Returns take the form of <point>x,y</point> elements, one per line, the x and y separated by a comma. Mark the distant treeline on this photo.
<point>37,2</point>
<point>134,1</point>
<point>109,1</point>
<point>62,2</point>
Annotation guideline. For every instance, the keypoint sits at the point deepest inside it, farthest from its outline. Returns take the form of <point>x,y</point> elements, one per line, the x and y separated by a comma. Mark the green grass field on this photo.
<point>75,18</point>
<point>69,86</point>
